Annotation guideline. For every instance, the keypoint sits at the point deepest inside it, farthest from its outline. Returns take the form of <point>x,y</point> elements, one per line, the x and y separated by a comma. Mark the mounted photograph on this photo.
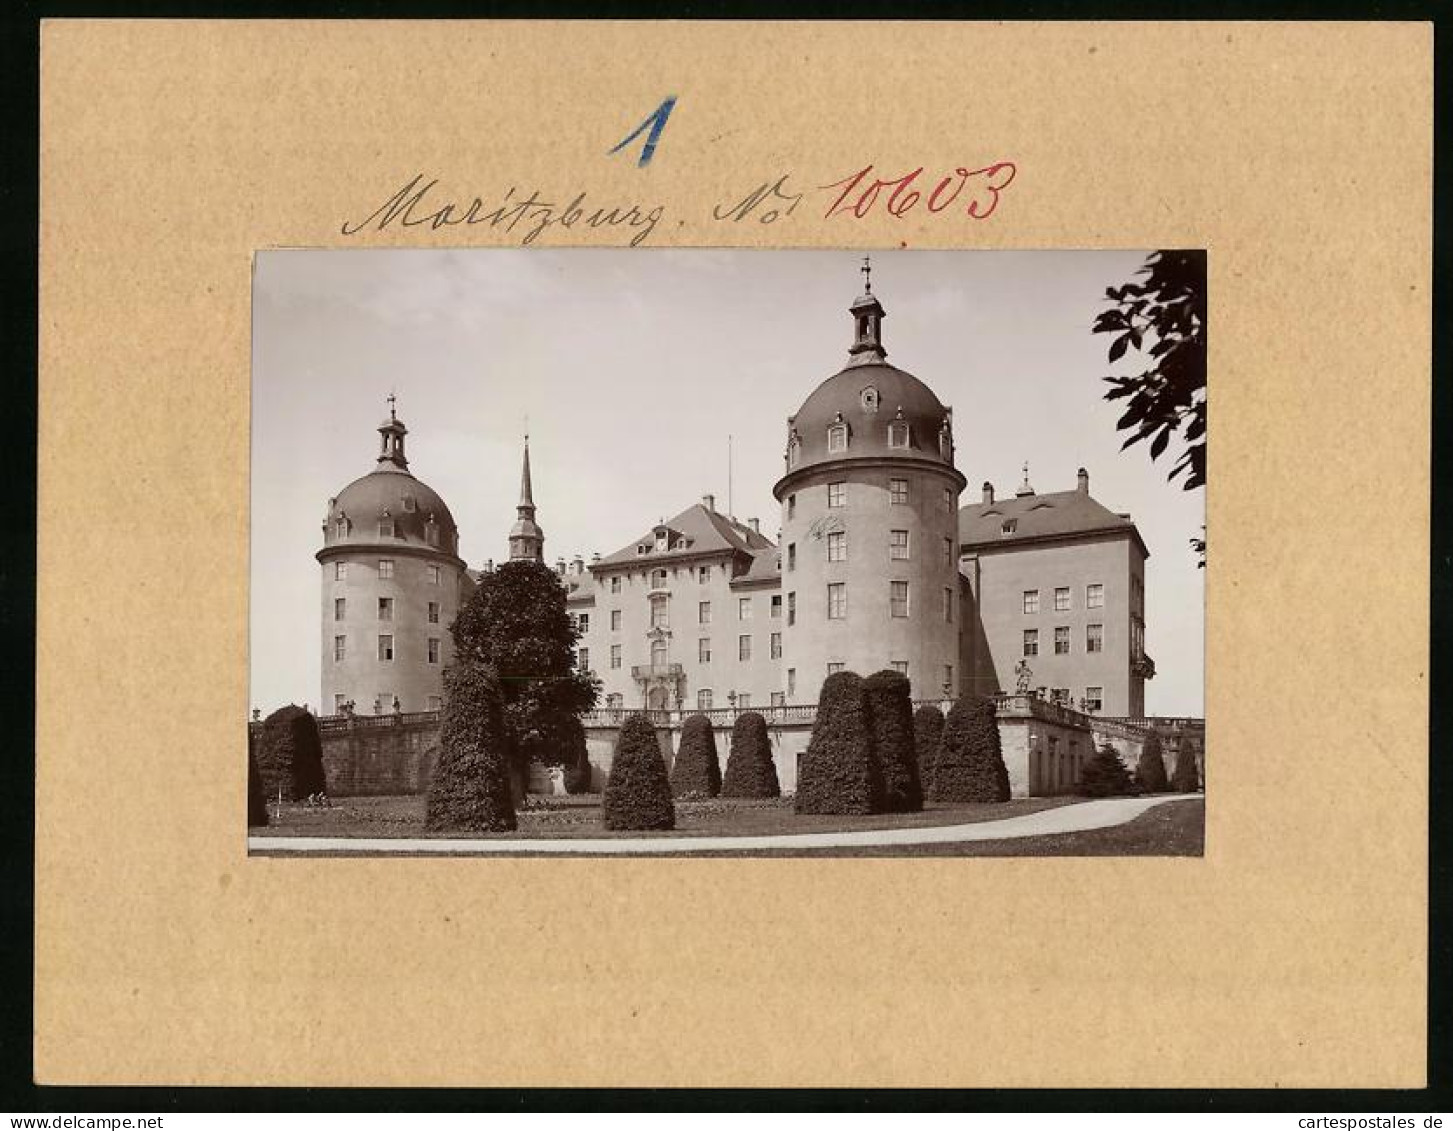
<point>728,552</point>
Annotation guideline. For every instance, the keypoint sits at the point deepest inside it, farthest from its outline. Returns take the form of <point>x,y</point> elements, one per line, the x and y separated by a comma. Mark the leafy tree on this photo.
<point>470,790</point>
<point>290,754</point>
<point>927,741</point>
<point>890,713</point>
<point>696,770</point>
<point>750,771</point>
<point>638,793</point>
<point>516,623</point>
<point>1104,775</point>
<point>1164,317</point>
<point>1150,769</point>
<point>1186,779</point>
<point>970,763</point>
<point>839,772</point>
<point>256,799</point>
<point>578,772</point>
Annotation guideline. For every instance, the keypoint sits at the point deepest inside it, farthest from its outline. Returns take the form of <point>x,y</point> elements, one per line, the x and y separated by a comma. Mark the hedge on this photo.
<point>1186,779</point>
<point>696,769</point>
<point>927,742</point>
<point>750,771</point>
<point>1150,770</point>
<point>471,786</point>
<point>290,754</point>
<point>970,764</point>
<point>1104,775</point>
<point>578,773</point>
<point>637,793</point>
<point>256,799</point>
<point>890,714</point>
<point>838,773</point>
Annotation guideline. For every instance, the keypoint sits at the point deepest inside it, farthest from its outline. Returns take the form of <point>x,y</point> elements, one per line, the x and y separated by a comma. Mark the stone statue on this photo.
<point>1023,676</point>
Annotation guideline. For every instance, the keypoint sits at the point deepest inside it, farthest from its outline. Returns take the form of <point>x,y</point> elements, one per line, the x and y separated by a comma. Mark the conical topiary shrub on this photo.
<point>1185,779</point>
<point>578,772</point>
<point>927,741</point>
<point>750,771</point>
<point>1104,775</point>
<point>637,793</point>
<point>471,786</point>
<point>890,714</point>
<point>290,754</point>
<point>256,799</point>
<point>970,763</point>
<point>1150,770</point>
<point>696,770</point>
<point>839,772</point>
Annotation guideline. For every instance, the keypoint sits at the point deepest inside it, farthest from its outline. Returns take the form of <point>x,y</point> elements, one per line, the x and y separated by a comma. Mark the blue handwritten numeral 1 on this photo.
<point>657,123</point>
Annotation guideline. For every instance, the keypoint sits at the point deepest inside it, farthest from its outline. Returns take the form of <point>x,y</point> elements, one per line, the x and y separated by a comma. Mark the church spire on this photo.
<point>868,315</point>
<point>392,431</point>
<point>527,540</point>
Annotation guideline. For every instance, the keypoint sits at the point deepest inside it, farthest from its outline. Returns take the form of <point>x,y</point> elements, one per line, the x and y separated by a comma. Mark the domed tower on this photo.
<point>870,524</point>
<point>392,583</point>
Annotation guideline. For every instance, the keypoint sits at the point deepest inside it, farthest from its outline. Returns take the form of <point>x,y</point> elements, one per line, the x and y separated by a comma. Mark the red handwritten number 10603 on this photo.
<point>984,187</point>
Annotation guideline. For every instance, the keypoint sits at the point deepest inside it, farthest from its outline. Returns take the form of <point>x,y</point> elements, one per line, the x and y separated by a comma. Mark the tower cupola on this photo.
<point>392,433</point>
<point>527,540</point>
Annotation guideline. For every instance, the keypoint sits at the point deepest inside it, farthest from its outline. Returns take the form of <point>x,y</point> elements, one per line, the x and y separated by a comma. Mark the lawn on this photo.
<point>580,817</point>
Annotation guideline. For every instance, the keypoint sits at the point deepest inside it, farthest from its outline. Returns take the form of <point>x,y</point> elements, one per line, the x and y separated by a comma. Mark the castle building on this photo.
<point>1057,585</point>
<point>392,581</point>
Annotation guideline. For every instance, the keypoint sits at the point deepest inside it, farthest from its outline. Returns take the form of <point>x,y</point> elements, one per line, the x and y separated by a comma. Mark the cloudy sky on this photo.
<point>633,367</point>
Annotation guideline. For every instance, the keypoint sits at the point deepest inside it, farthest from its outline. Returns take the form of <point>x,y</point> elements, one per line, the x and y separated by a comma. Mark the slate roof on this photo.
<point>695,530</point>
<point>1060,514</point>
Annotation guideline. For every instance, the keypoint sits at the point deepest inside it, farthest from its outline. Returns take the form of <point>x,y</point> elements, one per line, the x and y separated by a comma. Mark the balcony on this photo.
<point>657,671</point>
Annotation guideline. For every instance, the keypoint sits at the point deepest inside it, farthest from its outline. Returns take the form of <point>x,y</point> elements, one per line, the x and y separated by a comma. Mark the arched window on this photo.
<point>431,532</point>
<point>385,526</point>
<point>837,435</point>
<point>898,432</point>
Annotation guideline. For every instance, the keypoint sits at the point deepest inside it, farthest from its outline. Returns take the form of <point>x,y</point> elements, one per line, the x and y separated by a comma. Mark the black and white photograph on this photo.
<point>728,552</point>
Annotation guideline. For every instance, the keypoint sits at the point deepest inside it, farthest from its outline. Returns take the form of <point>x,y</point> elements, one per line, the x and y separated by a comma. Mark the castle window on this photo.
<point>582,659</point>
<point>658,653</point>
<point>744,701</point>
<point>1031,601</point>
<point>948,549</point>
<point>431,534</point>
<point>340,648</point>
<point>776,645</point>
<point>385,647</point>
<point>898,492</point>
<point>1094,638</point>
<point>836,493</point>
<point>433,612</point>
<point>900,666</point>
<point>948,500</point>
<point>660,612</point>
<point>340,701</point>
<point>385,528</point>
<point>340,606</point>
<point>898,545</point>
<point>791,556</point>
<point>791,681</point>
<point>615,657</point>
<point>837,546</point>
<point>1062,600</point>
<point>898,598</point>
<point>340,528</point>
<point>791,609</point>
<point>584,621</point>
<point>833,669</point>
<point>744,648</point>
<point>837,438</point>
<point>615,584</point>
<point>340,571</point>
<point>794,451</point>
<point>433,649</point>
<point>779,699</point>
<point>643,548</point>
<point>1062,640</point>
<point>792,506</point>
<point>615,620</point>
<point>385,608</point>
<point>1010,526</point>
<point>948,604</point>
<point>946,443</point>
<point>703,650</point>
<point>776,606</point>
<point>615,700</point>
<point>658,578</point>
<point>1094,698</point>
<point>703,612</point>
<point>1094,596</point>
<point>385,568</point>
<point>432,573</point>
<point>703,699</point>
<point>837,601</point>
<point>898,434</point>
<point>744,608</point>
<point>703,574</point>
<point>1031,641</point>
<point>1060,695</point>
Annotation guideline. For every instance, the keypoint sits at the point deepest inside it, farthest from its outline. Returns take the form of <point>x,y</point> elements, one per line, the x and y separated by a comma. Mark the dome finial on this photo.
<point>1024,488</point>
<point>867,270</point>
<point>392,401</point>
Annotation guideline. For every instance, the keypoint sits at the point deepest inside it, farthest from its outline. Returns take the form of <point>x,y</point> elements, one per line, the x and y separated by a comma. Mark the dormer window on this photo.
<point>870,399</point>
<point>946,442</point>
<point>837,435</point>
<point>340,528</point>
<point>898,432</point>
<point>794,450</point>
<point>431,532</point>
<point>386,526</point>
<point>643,549</point>
<point>1010,526</point>
<point>410,506</point>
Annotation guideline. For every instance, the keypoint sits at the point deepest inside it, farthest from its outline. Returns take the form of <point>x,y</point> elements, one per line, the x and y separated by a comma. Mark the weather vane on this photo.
<point>867,270</point>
